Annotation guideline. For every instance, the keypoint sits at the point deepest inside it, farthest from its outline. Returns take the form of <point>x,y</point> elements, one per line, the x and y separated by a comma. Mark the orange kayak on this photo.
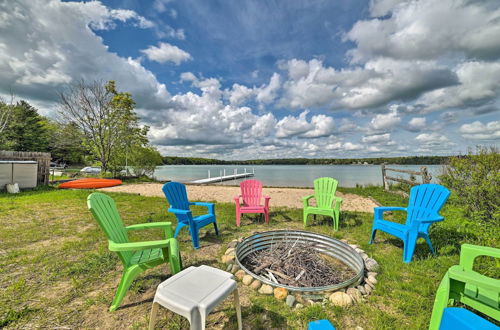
<point>90,183</point>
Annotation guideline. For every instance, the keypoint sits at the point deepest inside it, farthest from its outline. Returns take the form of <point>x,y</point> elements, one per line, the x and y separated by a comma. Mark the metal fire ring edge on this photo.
<point>324,244</point>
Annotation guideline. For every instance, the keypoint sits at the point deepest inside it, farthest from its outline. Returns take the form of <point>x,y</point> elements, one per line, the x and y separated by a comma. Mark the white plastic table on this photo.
<point>194,293</point>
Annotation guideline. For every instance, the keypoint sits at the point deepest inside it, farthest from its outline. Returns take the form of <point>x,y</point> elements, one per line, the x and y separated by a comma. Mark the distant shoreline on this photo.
<point>410,160</point>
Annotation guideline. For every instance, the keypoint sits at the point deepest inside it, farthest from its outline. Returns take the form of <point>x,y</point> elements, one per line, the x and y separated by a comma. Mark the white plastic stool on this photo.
<point>194,293</point>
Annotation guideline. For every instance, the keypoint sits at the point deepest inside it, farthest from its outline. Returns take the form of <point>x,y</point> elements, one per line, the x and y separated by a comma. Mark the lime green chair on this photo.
<point>462,285</point>
<point>136,256</point>
<point>326,202</point>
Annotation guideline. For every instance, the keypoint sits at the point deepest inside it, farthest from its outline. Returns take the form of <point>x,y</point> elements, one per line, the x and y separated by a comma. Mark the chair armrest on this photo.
<point>178,211</point>
<point>210,206</point>
<point>266,201</point>
<point>471,277</point>
<point>306,200</point>
<point>136,246</point>
<point>379,211</point>
<point>430,220</point>
<point>338,201</point>
<point>469,252</point>
<point>151,225</point>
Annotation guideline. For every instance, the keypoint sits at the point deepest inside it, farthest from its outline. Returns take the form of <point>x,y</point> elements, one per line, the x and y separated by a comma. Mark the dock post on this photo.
<point>220,175</point>
<point>224,172</point>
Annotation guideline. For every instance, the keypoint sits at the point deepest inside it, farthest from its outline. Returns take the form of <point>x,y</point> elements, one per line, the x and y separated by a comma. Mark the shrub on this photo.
<point>475,179</point>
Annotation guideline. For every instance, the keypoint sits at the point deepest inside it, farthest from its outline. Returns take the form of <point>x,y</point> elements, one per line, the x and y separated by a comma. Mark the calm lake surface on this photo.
<point>290,175</point>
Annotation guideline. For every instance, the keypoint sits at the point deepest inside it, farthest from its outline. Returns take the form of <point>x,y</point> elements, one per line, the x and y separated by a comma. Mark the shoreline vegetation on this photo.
<point>410,160</point>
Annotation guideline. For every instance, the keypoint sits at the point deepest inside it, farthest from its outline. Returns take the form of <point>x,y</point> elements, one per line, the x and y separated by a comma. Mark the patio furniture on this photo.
<point>326,202</point>
<point>320,325</point>
<point>179,205</point>
<point>137,256</point>
<point>461,284</point>
<point>425,202</point>
<point>194,293</point>
<point>251,196</point>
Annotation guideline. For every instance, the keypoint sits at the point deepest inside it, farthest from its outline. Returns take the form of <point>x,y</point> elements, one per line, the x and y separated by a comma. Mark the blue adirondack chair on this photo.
<point>179,205</point>
<point>425,202</point>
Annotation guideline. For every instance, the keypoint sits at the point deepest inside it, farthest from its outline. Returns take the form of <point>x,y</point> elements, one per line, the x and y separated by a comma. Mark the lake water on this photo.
<point>290,175</point>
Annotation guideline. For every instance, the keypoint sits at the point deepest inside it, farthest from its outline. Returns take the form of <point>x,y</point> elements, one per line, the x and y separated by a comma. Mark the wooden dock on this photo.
<point>224,177</point>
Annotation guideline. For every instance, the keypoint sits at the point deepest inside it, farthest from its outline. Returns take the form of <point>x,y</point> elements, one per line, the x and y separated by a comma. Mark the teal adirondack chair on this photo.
<point>461,284</point>
<point>135,256</point>
<point>326,202</point>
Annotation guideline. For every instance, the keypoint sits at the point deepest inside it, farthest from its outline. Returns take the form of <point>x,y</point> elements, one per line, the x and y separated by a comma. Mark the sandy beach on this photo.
<point>284,197</point>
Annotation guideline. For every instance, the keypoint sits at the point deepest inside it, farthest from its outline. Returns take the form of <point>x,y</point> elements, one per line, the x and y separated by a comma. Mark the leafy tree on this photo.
<point>26,130</point>
<point>475,179</point>
<point>144,160</point>
<point>106,117</point>
<point>68,143</point>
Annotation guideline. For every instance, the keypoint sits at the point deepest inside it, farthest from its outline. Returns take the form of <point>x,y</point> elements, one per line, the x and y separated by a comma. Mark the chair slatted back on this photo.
<point>176,195</point>
<point>425,201</point>
<point>251,192</point>
<point>104,210</point>
<point>324,192</point>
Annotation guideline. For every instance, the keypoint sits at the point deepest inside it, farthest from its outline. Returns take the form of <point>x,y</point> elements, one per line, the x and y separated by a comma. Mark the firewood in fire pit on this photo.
<point>297,264</point>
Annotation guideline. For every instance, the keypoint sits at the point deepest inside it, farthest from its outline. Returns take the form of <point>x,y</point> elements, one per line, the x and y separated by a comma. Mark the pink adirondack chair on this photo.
<point>251,194</point>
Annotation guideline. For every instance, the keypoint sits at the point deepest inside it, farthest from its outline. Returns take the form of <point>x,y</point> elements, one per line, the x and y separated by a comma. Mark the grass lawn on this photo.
<point>56,270</point>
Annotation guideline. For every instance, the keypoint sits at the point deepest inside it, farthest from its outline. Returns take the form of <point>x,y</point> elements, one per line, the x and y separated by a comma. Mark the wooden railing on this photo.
<point>426,176</point>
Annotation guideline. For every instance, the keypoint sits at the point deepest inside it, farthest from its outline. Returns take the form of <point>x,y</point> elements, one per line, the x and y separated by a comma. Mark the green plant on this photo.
<point>474,179</point>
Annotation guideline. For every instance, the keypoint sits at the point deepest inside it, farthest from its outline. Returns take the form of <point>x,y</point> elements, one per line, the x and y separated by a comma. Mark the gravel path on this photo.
<point>288,197</point>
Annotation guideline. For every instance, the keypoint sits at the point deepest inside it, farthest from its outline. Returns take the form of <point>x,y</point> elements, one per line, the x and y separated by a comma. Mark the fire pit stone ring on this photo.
<point>345,293</point>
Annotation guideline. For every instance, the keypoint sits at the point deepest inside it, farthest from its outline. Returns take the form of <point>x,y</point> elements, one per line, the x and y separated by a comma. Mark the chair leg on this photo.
<point>238,218</point>
<point>372,237</point>
<point>195,237</point>
<point>266,216</point>
<point>180,225</point>
<point>409,247</point>
<point>216,229</point>
<point>305,214</point>
<point>428,240</point>
<point>128,277</point>
<point>152,317</point>
<point>238,308</point>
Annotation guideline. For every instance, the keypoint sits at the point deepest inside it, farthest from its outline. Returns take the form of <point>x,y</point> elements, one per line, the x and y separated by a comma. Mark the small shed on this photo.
<point>24,173</point>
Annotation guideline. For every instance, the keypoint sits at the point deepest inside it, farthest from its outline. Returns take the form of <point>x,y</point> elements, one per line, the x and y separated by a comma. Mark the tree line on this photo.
<point>94,125</point>
<point>410,160</point>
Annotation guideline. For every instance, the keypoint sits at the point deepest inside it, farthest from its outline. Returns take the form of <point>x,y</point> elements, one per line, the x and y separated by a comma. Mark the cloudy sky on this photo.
<point>267,79</point>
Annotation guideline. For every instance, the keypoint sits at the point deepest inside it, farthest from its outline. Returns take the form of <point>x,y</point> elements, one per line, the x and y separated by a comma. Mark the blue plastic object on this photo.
<point>179,205</point>
<point>425,202</point>
<point>320,325</point>
<point>455,318</point>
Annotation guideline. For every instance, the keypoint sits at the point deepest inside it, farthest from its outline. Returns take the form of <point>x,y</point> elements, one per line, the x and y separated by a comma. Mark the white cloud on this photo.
<point>377,139</point>
<point>416,124</point>
<point>166,53</point>
<point>431,138</point>
<point>188,76</point>
<point>67,50</point>
<point>239,94</point>
<point>385,122</point>
<point>352,146</point>
<point>479,131</point>
<point>378,82</point>
<point>428,29</point>
<point>319,126</point>
<point>267,94</point>
<point>479,85</point>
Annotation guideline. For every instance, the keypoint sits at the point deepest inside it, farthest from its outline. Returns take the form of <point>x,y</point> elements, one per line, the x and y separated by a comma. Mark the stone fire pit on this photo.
<point>359,281</point>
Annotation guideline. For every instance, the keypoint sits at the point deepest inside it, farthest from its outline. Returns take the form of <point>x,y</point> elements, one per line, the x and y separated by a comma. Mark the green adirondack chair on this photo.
<point>462,285</point>
<point>326,202</point>
<point>136,256</point>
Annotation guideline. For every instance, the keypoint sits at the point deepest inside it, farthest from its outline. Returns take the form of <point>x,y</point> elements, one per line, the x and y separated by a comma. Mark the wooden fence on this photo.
<point>42,158</point>
<point>426,176</point>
